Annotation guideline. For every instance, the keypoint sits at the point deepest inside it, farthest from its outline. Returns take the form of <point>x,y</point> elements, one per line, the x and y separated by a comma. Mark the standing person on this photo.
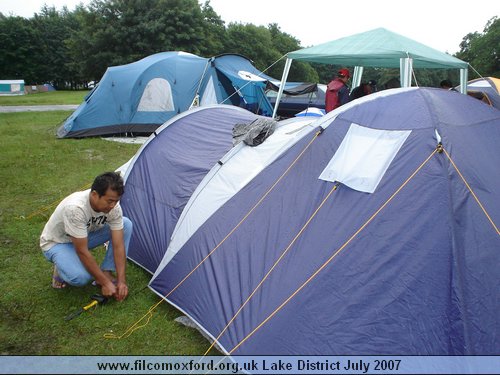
<point>337,91</point>
<point>363,89</point>
<point>83,221</point>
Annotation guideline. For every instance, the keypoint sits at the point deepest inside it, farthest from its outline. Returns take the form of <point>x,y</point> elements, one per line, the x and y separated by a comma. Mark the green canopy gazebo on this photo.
<point>378,48</point>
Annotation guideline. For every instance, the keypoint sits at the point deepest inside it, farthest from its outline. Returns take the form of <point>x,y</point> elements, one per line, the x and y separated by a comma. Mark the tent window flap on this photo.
<point>363,157</point>
<point>157,96</point>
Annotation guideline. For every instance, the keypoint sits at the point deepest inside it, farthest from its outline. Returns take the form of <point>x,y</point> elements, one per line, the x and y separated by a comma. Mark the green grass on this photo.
<point>36,171</point>
<point>45,98</point>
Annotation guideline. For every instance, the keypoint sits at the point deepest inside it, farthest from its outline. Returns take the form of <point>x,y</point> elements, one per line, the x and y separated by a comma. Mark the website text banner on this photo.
<point>250,365</point>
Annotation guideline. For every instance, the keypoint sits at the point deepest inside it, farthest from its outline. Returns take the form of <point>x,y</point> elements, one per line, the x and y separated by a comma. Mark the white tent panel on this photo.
<point>363,157</point>
<point>209,95</point>
<point>464,74</point>
<point>406,68</point>
<point>356,77</point>
<point>478,84</point>
<point>247,76</point>
<point>238,168</point>
<point>157,96</point>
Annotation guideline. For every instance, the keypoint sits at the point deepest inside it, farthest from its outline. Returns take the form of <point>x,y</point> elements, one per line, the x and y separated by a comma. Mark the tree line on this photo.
<point>74,47</point>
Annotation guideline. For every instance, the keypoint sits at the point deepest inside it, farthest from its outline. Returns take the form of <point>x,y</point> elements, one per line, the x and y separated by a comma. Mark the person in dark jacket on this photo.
<point>363,89</point>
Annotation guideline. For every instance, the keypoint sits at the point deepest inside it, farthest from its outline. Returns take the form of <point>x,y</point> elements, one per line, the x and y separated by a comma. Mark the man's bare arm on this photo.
<point>81,245</point>
<point>120,258</point>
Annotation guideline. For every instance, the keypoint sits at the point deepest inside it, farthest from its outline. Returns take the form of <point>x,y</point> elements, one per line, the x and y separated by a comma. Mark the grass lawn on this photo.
<point>37,171</point>
<point>45,98</point>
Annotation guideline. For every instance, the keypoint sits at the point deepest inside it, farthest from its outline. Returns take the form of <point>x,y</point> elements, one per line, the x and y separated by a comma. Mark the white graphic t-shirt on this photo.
<point>75,217</point>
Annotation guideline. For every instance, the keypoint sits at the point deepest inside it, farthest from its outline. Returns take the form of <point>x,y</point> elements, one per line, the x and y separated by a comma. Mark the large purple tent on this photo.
<point>375,234</point>
<point>166,170</point>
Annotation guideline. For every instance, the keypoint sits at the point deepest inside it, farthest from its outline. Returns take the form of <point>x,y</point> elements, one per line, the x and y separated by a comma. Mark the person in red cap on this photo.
<point>337,92</point>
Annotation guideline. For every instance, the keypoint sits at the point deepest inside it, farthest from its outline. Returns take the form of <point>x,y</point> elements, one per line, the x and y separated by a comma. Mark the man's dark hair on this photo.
<point>362,90</point>
<point>108,180</point>
<point>446,83</point>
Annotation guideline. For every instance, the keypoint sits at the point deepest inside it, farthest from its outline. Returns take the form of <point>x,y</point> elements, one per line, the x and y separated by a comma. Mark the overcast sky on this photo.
<point>440,24</point>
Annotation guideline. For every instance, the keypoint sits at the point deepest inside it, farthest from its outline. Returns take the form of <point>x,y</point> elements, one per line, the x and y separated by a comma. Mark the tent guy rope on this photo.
<point>323,266</point>
<point>249,82</point>
<point>137,325</point>
<point>149,313</point>
<point>472,192</point>
<point>53,204</point>
<point>335,186</point>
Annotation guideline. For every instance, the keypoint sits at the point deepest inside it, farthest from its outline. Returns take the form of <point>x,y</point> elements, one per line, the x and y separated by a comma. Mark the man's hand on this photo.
<point>108,289</point>
<point>121,291</point>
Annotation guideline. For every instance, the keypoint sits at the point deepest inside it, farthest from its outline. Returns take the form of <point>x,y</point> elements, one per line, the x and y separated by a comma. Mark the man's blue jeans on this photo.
<point>68,264</point>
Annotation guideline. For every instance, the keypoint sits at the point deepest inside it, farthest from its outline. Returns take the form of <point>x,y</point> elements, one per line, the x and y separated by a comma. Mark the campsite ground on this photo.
<point>45,98</point>
<point>37,170</point>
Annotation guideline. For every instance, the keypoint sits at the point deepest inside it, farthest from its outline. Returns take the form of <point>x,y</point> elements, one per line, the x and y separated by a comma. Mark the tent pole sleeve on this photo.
<point>282,85</point>
<point>405,66</point>
<point>356,77</point>
<point>464,76</point>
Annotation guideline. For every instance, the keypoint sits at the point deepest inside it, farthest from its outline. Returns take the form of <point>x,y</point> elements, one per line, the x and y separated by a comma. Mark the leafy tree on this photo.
<point>284,43</point>
<point>267,48</point>
<point>482,50</point>
<point>79,46</point>
<point>34,49</point>
<point>214,32</point>
<point>116,32</point>
<point>75,62</point>
<point>325,71</point>
<point>254,42</point>
<point>84,62</point>
<point>52,28</point>
<point>18,46</point>
<point>465,52</point>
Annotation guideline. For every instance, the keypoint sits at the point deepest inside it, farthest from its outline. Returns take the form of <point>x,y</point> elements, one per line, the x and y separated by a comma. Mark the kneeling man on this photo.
<point>82,221</point>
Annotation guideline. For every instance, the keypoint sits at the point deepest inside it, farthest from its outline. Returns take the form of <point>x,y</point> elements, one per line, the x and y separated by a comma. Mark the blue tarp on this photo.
<point>411,269</point>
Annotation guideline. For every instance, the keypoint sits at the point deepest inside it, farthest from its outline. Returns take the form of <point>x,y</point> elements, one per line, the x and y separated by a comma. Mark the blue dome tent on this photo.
<point>139,97</point>
<point>242,84</point>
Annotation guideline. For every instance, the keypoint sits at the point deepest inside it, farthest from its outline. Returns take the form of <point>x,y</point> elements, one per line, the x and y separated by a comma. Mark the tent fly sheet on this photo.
<point>377,232</point>
<point>376,48</point>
